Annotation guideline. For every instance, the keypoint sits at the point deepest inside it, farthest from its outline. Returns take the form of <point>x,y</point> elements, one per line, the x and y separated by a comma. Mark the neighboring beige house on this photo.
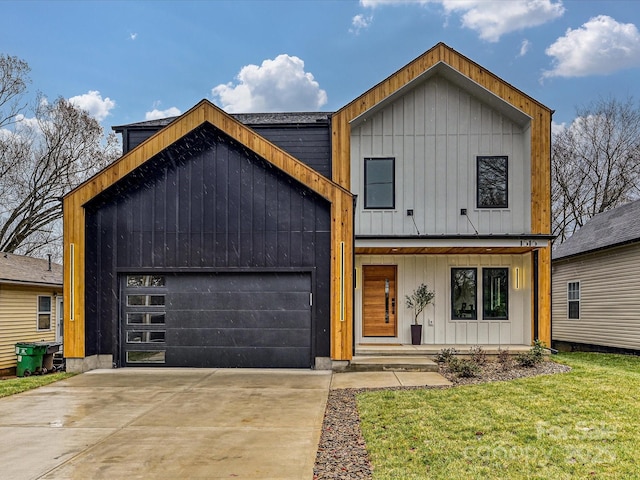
<point>596,273</point>
<point>30,303</point>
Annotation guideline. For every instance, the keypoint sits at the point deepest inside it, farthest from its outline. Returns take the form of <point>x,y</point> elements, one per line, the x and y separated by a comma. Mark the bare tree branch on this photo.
<point>44,153</point>
<point>595,163</point>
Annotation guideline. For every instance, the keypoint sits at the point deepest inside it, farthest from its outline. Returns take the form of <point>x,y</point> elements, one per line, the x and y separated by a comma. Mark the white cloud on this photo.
<point>22,127</point>
<point>524,47</point>
<point>280,84</point>
<point>601,46</point>
<point>360,22</point>
<point>491,18</point>
<point>94,104</point>
<point>156,114</point>
<point>133,36</point>
<point>557,128</point>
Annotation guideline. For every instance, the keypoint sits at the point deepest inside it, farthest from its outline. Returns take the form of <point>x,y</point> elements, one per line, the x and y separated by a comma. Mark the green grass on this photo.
<point>581,424</point>
<point>19,385</point>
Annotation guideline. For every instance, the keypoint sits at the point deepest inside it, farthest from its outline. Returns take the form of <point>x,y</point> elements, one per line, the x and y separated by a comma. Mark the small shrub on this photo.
<point>533,357</point>
<point>478,355</point>
<point>505,359</point>
<point>464,367</point>
<point>445,355</point>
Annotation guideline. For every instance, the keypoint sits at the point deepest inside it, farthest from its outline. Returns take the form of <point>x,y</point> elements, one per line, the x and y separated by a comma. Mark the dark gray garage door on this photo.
<point>217,320</point>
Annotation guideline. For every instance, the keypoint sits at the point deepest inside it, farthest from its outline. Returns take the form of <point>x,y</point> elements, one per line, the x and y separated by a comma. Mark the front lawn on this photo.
<point>18,385</point>
<point>581,424</point>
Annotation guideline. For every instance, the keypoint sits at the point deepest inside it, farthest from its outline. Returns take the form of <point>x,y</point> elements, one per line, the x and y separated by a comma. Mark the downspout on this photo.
<point>536,290</point>
<point>355,278</point>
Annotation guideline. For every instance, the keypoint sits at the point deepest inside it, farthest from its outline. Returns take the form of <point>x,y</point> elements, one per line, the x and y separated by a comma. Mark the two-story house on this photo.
<point>289,240</point>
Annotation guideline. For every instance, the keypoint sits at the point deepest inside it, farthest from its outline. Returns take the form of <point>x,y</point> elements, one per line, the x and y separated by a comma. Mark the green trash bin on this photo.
<point>29,358</point>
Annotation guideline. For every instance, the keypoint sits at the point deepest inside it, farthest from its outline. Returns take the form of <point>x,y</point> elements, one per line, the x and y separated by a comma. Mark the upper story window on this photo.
<point>573,298</point>
<point>379,183</point>
<point>492,179</point>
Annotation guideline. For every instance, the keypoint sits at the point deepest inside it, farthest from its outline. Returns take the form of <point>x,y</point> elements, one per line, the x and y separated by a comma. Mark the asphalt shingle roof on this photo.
<point>247,119</point>
<point>26,270</point>
<point>614,227</point>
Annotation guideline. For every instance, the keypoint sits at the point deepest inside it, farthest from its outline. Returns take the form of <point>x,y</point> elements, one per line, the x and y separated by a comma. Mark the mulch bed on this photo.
<point>342,452</point>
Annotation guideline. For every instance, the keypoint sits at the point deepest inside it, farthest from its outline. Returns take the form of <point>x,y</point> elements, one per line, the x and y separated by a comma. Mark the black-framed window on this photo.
<point>379,183</point>
<point>492,182</point>
<point>495,293</point>
<point>464,293</point>
<point>573,300</point>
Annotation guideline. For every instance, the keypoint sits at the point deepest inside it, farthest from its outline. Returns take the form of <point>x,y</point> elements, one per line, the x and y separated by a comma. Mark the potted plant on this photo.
<point>418,300</point>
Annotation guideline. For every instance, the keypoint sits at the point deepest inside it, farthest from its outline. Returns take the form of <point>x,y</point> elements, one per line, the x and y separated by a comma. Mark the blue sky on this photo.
<point>130,61</point>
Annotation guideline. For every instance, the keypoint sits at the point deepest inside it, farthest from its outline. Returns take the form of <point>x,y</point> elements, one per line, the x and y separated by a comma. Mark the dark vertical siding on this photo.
<point>309,143</point>
<point>205,202</point>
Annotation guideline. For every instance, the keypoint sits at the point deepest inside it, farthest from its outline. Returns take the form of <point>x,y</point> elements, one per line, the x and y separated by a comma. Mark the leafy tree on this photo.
<point>45,151</point>
<point>595,163</point>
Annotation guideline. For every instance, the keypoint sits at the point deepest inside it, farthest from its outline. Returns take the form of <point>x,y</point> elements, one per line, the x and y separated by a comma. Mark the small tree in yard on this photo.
<point>418,300</point>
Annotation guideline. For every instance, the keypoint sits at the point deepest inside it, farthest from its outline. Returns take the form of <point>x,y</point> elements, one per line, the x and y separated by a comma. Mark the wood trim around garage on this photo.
<point>341,221</point>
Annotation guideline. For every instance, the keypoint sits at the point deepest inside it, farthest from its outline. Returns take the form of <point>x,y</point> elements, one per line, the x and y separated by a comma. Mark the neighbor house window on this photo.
<point>495,293</point>
<point>573,297</point>
<point>379,183</point>
<point>464,293</point>
<point>492,182</point>
<point>44,312</point>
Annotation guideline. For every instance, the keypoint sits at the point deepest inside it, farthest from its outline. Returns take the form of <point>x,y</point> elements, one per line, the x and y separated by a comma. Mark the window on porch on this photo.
<point>464,294</point>
<point>495,293</point>
<point>494,290</point>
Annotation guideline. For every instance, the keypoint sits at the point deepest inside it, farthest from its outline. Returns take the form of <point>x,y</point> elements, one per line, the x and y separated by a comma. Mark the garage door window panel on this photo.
<point>145,336</point>
<point>145,281</point>
<point>146,356</point>
<point>146,318</point>
<point>145,300</point>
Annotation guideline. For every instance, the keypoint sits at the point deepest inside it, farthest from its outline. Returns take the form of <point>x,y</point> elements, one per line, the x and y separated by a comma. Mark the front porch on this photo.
<point>415,358</point>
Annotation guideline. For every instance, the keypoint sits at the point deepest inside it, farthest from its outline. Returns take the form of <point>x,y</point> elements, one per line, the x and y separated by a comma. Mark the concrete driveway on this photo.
<point>166,423</point>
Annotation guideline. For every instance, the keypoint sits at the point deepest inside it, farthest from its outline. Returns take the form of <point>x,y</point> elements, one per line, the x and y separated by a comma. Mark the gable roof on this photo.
<point>457,78</point>
<point>461,69</point>
<point>615,227</point>
<point>19,269</point>
<point>206,112</point>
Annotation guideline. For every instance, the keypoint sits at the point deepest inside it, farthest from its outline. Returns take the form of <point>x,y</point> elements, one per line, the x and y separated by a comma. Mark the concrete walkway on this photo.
<point>175,423</point>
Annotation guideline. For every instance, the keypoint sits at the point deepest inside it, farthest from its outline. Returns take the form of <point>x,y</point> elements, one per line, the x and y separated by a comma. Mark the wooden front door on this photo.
<point>379,301</point>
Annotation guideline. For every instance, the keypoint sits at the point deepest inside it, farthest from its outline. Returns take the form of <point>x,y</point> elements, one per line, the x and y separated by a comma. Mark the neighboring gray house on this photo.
<point>596,275</point>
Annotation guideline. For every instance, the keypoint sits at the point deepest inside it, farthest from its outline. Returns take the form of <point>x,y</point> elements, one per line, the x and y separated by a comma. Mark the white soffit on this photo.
<point>452,75</point>
<point>448,242</point>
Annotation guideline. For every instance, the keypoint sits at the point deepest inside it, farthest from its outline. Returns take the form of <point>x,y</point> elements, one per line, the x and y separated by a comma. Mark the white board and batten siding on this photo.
<point>435,271</point>
<point>18,319</point>
<point>609,298</point>
<point>435,132</point>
